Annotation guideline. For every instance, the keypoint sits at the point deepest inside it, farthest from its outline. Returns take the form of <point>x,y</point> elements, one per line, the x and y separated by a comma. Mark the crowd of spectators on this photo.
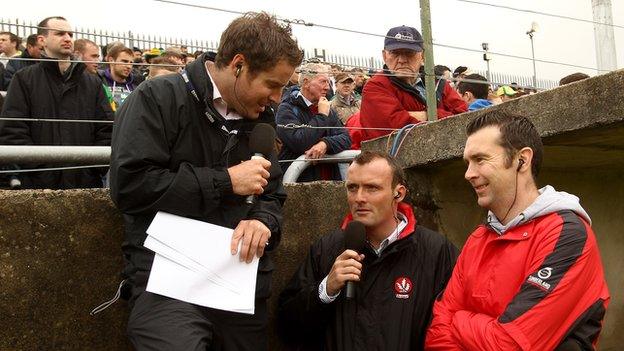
<point>350,105</point>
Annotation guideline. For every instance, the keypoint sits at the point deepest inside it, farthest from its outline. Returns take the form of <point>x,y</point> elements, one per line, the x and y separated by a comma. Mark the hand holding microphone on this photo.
<point>250,177</point>
<point>347,268</point>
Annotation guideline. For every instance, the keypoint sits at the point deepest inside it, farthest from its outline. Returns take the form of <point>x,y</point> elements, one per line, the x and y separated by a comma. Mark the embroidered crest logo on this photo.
<point>403,287</point>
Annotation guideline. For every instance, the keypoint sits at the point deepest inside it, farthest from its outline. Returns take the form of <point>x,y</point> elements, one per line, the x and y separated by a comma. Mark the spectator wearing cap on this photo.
<point>396,97</point>
<point>475,94</point>
<point>506,93</point>
<point>460,72</point>
<point>306,104</point>
<point>345,102</point>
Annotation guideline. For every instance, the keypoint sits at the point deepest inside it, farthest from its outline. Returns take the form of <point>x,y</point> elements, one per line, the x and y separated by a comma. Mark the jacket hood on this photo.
<point>549,201</point>
<point>403,208</point>
<point>290,94</point>
<point>109,78</point>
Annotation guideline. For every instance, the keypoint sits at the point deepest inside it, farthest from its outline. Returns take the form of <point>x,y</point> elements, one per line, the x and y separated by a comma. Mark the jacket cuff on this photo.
<point>215,183</point>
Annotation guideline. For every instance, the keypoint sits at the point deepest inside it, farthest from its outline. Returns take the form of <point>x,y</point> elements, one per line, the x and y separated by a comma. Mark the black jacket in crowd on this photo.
<point>167,156</point>
<point>13,66</point>
<point>293,110</point>
<point>383,315</point>
<point>42,91</point>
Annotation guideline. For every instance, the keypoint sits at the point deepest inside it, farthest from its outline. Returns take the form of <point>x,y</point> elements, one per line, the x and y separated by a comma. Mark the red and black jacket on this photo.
<point>392,304</point>
<point>533,288</point>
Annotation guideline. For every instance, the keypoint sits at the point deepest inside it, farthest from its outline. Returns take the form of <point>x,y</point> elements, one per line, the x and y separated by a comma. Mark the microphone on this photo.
<point>355,239</point>
<point>261,142</point>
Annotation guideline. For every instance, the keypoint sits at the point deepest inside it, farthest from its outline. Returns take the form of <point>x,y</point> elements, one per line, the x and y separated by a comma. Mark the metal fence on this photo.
<point>147,41</point>
<point>102,37</point>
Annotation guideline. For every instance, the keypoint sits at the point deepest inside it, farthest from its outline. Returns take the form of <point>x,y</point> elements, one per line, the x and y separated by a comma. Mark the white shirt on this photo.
<point>394,236</point>
<point>307,102</point>
<point>220,104</point>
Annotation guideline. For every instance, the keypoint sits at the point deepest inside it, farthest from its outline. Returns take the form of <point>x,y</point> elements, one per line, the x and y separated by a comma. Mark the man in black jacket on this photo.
<point>398,275</point>
<point>181,145</point>
<point>308,105</point>
<point>56,90</point>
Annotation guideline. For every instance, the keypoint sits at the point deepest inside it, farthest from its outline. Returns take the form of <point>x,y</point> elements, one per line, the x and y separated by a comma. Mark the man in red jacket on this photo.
<point>531,277</point>
<point>395,97</point>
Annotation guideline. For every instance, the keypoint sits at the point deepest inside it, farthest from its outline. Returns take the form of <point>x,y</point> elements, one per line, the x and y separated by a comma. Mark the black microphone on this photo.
<point>261,142</point>
<point>355,239</point>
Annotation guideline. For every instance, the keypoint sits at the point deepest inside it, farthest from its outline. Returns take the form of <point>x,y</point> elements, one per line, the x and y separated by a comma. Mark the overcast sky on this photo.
<point>454,23</point>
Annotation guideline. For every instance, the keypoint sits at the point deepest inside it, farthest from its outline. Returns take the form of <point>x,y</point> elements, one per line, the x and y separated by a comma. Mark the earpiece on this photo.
<point>397,195</point>
<point>520,164</point>
<point>238,69</point>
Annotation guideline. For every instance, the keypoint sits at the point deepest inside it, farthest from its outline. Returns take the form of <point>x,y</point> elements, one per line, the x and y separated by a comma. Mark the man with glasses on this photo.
<point>396,96</point>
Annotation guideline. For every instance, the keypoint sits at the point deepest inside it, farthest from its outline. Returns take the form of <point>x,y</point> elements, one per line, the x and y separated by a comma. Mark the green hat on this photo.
<point>153,52</point>
<point>505,90</point>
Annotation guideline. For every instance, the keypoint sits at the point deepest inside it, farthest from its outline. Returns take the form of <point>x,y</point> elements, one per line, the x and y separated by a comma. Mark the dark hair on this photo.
<point>197,53</point>
<point>42,27</point>
<point>262,41</point>
<point>573,78</point>
<point>439,70</point>
<point>81,44</point>
<point>118,49</point>
<point>13,39</point>
<point>479,90</point>
<point>398,175</point>
<point>517,132</point>
<point>31,40</point>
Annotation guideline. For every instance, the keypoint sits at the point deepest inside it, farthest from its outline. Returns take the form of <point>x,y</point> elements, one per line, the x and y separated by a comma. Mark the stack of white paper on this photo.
<point>193,263</point>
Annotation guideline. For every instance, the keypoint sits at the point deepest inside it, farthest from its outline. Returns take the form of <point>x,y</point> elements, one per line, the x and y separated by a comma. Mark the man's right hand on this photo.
<point>347,267</point>
<point>250,177</point>
<point>323,106</point>
<point>420,116</point>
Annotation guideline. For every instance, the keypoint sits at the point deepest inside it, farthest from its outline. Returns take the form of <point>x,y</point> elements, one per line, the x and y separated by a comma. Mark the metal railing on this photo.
<point>301,163</point>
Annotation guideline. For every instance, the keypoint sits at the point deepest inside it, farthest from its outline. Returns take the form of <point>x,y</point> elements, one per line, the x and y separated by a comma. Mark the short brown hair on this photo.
<point>118,49</point>
<point>398,175</point>
<point>13,39</point>
<point>517,132</point>
<point>81,44</point>
<point>163,60</point>
<point>262,41</point>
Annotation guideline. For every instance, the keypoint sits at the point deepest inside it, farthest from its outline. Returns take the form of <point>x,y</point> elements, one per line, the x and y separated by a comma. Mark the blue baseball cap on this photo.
<point>403,37</point>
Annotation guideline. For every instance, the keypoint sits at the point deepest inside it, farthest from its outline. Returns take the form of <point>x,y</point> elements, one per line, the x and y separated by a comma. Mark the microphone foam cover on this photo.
<point>262,139</point>
<point>355,236</point>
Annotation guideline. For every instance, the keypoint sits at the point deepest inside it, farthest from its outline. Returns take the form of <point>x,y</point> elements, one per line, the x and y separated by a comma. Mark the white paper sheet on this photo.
<point>193,263</point>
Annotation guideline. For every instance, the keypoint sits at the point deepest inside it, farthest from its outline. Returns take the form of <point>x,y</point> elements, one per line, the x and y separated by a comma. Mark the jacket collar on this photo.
<point>197,74</point>
<point>405,209</point>
<point>51,64</point>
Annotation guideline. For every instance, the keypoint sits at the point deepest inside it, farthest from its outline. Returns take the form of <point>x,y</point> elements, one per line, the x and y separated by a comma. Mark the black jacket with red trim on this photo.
<point>536,286</point>
<point>393,300</point>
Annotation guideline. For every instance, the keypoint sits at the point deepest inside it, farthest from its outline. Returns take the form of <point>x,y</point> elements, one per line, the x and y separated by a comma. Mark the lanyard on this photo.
<point>213,119</point>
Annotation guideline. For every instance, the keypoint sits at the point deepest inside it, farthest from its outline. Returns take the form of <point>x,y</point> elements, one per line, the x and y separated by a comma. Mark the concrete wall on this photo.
<point>60,256</point>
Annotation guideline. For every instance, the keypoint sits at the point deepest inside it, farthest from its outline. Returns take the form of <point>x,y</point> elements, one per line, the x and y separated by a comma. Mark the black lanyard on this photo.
<point>216,120</point>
